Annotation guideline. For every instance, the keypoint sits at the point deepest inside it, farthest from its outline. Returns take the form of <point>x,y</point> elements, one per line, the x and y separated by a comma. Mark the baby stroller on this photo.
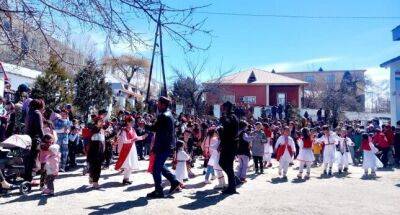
<point>12,153</point>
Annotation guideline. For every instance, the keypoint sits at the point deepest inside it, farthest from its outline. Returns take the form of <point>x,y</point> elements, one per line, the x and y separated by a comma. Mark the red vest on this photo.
<point>281,149</point>
<point>307,143</point>
<point>365,145</point>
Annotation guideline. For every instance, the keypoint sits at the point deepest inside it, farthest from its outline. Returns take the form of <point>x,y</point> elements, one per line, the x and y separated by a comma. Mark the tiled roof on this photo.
<point>261,77</point>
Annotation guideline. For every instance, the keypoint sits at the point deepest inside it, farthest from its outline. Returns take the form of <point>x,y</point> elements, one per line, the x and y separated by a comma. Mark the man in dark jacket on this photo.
<point>163,146</point>
<point>228,145</point>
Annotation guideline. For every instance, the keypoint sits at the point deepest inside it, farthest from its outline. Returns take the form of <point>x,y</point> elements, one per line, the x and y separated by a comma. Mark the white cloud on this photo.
<point>377,74</point>
<point>298,65</point>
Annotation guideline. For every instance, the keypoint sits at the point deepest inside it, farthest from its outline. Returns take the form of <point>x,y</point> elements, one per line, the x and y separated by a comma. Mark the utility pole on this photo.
<point>158,35</point>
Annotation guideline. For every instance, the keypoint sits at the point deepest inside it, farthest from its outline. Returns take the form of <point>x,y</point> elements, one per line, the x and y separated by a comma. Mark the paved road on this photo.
<point>262,194</point>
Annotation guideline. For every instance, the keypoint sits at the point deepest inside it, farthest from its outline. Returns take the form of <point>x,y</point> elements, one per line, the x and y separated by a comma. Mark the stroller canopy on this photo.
<point>17,141</point>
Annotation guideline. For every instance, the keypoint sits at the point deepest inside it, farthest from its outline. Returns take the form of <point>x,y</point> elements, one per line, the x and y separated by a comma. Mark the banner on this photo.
<point>217,111</point>
<point>257,112</point>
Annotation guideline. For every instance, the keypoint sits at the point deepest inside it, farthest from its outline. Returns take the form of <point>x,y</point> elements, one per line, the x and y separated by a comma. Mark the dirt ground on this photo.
<point>262,194</point>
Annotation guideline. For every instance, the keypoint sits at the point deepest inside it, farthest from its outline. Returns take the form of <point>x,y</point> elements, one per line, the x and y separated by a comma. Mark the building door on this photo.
<point>281,99</point>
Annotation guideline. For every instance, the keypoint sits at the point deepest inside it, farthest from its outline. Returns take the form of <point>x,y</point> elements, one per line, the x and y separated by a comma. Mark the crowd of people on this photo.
<point>58,136</point>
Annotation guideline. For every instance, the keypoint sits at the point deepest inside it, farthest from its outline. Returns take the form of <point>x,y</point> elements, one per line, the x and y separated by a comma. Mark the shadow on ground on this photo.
<point>117,207</point>
<point>203,199</point>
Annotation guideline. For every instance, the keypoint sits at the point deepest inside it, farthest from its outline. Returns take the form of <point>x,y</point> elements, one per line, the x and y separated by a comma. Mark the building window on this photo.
<point>310,79</point>
<point>330,79</point>
<point>281,98</point>
<point>249,99</point>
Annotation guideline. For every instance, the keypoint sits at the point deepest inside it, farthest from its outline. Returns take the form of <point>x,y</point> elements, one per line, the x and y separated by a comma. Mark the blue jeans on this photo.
<point>210,171</point>
<point>160,168</point>
<point>64,156</point>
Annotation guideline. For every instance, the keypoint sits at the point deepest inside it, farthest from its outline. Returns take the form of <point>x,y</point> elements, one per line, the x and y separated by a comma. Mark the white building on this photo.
<point>394,65</point>
<point>17,75</point>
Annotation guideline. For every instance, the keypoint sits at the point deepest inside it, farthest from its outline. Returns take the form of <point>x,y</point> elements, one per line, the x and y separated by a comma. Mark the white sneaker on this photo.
<point>207,182</point>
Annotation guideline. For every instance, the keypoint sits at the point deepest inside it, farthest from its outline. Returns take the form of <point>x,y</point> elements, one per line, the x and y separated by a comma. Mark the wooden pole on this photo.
<point>164,93</point>
<point>152,57</point>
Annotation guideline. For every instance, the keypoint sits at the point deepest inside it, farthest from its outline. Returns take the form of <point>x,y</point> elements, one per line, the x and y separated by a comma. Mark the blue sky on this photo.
<point>288,44</point>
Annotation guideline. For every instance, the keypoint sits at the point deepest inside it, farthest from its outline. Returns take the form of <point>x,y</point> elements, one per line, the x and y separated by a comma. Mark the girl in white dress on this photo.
<point>214,161</point>
<point>343,156</point>
<point>306,155</point>
<point>285,148</point>
<point>128,158</point>
<point>370,161</point>
<point>182,157</point>
<point>330,140</point>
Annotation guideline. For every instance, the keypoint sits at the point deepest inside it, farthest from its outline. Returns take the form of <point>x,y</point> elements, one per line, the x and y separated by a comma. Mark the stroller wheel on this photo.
<point>25,188</point>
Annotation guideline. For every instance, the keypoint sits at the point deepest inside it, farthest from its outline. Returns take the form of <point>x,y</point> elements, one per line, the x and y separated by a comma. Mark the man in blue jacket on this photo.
<point>163,147</point>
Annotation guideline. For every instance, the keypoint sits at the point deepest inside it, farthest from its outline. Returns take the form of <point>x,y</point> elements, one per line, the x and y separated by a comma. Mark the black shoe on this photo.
<point>330,172</point>
<point>155,195</point>
<point>325,173</point>
<point>256,172</point>
<point>340,172</point>
<point>126,182</point>
<point>175,187</point>
<point>229,191</point>
<point>346,169</point>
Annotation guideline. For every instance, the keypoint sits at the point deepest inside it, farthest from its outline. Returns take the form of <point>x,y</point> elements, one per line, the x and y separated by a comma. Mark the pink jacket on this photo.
<point>52,164</point>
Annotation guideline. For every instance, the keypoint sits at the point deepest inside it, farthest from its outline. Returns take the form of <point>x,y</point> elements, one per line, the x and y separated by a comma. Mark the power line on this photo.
<point>294,16</point>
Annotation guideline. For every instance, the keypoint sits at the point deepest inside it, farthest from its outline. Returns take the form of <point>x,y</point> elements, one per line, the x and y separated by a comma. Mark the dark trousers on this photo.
<point>42,175</point>
<point>108,154</point>
<point>226,162</point>
<point>161,169</point>
<point>50,182</point>
<point>30,162</point>
<point>72,147</point>
<point>140,150</point>
<point>258,163</point>
<point>95,169</point>
<point>384,156</point>
<point>397,154</point>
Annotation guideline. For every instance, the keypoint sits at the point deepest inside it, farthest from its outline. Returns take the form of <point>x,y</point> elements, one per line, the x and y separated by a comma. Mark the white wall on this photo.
<point>17,80</point>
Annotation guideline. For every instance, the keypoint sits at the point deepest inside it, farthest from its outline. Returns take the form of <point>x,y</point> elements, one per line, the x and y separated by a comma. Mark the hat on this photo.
<point>54,148</point>
<point>164,100</point>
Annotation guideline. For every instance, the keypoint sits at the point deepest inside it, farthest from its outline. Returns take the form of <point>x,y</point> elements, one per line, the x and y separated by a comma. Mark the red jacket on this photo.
<point>380,140</point>
<point>389,136</point>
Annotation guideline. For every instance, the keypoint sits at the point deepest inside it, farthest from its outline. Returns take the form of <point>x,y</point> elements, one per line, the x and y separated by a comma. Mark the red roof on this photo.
<point>262,77</point>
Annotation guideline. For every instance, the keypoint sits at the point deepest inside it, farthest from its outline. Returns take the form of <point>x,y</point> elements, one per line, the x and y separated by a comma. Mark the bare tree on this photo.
<point>189,90</point>
<point>127,66</point>
<point>48,20</point>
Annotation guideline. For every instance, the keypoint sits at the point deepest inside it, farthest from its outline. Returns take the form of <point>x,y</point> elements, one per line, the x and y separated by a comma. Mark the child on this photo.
<point>330,140</point>
<point>210,141</point>
<point>214,159</point>
<point>284,151</point>
<point>243,152</point>
<point>268,149</point>
<point>370,161</point>
<point>317,149</point>
<point>182,157</point>
<point>52,168</point>
<point>343,153</point>
<point>306,156</point>
<point>257,147</point>
<point>47,141</point>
